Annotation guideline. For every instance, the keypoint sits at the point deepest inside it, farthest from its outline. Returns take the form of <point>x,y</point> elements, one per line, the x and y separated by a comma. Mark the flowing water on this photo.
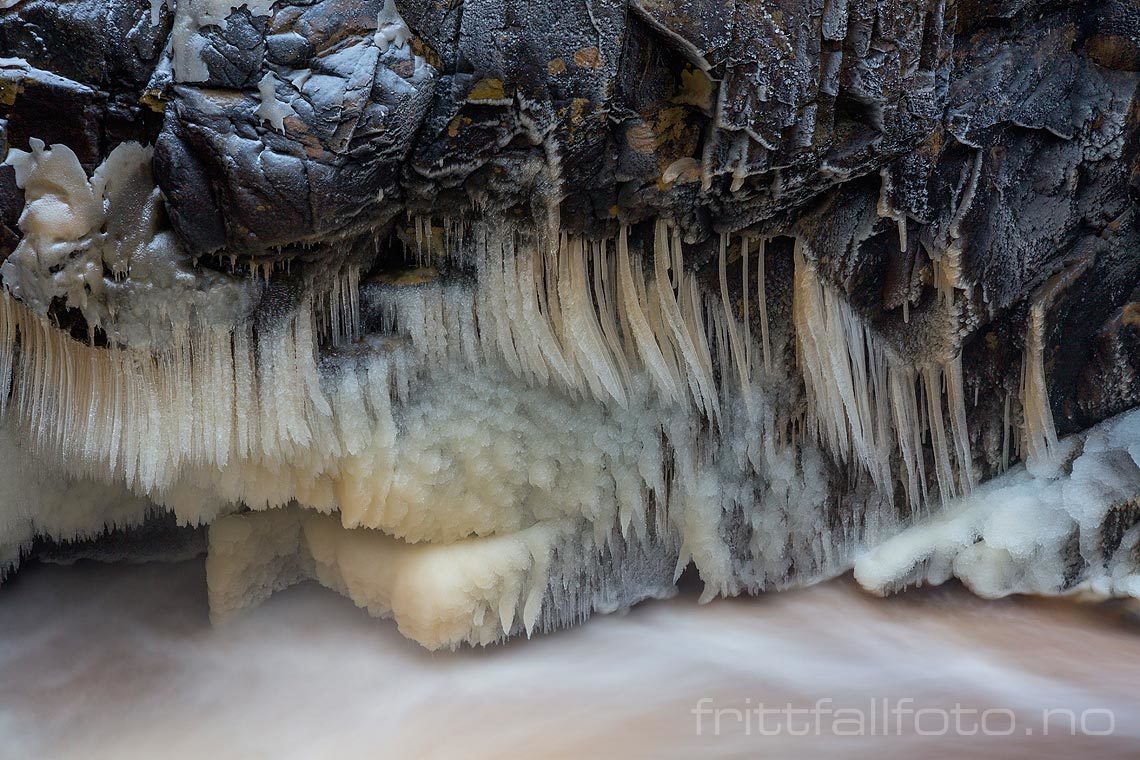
<point>104,661</point>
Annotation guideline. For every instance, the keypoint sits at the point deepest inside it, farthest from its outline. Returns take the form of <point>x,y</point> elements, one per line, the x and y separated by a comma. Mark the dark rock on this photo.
<point>350,104</point>
<point>1001,136</point>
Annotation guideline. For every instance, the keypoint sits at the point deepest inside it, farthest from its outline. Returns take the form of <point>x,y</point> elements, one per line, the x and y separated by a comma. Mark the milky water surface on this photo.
<point>102,661</point>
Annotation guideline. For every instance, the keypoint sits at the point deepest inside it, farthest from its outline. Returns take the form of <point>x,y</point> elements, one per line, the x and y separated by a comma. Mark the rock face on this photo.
<point>809,268</point>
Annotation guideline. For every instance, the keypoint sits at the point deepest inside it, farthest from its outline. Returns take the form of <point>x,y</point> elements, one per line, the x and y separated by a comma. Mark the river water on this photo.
<point>116,661</point>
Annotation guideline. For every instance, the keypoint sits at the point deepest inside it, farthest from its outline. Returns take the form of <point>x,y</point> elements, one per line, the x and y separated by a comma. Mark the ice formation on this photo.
<point>36,501</point>
<point>528,428</point>
<point>437,427</point>
<point>193,20</point>
<point>525,410</point>
<point>271,109</point>
<point>99,245</point>
<point>1068,530</point>
<point>228,296</point>
<point>637,480</point>
<point>390,28</point>
<point>475,590</point>
<point>867,399</point>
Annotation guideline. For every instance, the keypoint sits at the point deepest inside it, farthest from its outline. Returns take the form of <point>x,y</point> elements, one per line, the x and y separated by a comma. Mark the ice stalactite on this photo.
<point>1039,435</point>
<point>762,301</point>
<point>887,210</point>
<point>580,314</point>
<point>868,404</point>
<point>214,397</point>
<point>582,334</point>
<point>634,319</point>
<point>1005,435</point>
<point>662,336</point>
<point>1038,441</point>
<point>337,307</point>
<point>736,346</point>
<point>747,354</point>
<point>688,347</point>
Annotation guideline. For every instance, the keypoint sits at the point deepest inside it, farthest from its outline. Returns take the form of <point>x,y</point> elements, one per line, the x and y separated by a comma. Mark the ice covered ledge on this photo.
<point>476,591</point>
<point>1063,526</point>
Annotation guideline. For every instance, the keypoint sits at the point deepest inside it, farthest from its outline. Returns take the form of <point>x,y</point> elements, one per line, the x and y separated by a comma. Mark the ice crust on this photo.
<point>1063,529</point>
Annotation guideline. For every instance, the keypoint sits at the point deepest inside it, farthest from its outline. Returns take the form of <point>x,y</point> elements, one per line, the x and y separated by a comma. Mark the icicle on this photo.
<point>494,312</point>
<point>535,313</point>
<point>206,400</point>
<point>942,468</point>
<point>736,351</point>
<point>605,298</point>
<point>952,376</point>
<point>833,356</point>
<point>720,333</point>
<point>638,323</point>
<point>744,290</point>
<point>850,377</point>
<point>905,407</point>
<point>692,304</point>
<point>1039,435</point>
<point>947,272</point>
<point>584,333</point>
<point>689,335</point>
<point>762,299</point>
<point>1005,425</point>
<point>532,363</point>
<point>702,383</point>
<point>7,348</point>
<point>337,309</point>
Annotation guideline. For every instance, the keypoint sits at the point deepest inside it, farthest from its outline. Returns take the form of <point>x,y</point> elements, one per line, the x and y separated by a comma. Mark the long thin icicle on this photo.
<point>762,300</point>
<point>668,385</point>
<point>736,349</point>
<point>1040,434</point>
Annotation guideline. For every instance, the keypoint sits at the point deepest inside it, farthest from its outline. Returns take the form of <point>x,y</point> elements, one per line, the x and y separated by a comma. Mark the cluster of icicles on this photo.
<point>585,317</point>
<point>579,315</point>
<point>266,418</point>
<point>216,395</point>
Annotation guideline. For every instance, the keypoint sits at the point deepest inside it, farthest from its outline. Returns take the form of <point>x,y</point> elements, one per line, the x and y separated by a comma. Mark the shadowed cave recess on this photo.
<point>491,315</point>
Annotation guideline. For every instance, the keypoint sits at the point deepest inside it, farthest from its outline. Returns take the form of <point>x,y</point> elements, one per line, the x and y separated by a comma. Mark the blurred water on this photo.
<point>104,661</point>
